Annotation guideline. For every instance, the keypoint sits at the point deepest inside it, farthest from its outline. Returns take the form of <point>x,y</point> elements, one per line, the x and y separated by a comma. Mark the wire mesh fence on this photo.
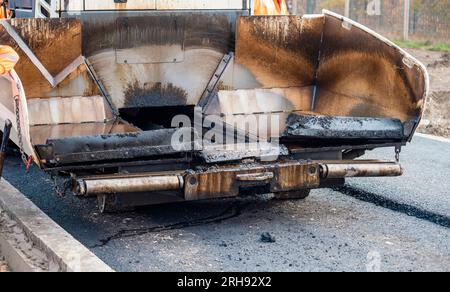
<point>424,20</point>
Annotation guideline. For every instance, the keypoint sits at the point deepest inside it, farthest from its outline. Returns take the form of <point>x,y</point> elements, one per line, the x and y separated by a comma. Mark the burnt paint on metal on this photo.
<point>361,75</point>
<point>280,51</point>
<point>223,181</point>
<point>157,94</point>
<point>141,31</point>
<point>215,31</point>
<point>206,36</point>
<point>357,74</point>
<point>288,40</point>
<point>293,177</point>
<point>104,31</point>
<point>98,34</point>
<point>56,43</point>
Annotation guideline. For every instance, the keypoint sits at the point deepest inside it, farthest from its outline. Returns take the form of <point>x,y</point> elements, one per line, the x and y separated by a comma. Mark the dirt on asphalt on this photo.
<point>436,120</point>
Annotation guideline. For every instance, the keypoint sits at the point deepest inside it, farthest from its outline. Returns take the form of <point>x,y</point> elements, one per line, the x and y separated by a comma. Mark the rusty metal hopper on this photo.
<point>104,88</point>
<point>326,77</point>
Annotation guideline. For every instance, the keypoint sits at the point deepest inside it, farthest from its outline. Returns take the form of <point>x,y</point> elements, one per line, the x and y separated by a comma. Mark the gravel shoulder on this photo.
<point>436,120</point>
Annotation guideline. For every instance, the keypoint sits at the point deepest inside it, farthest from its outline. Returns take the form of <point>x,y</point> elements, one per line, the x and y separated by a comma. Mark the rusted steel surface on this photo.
<point>341,68</point>
<point>280,51</point>
<point>178,42</point>
<point>227,181</point>
<point>293,177</point>
<point>57,44</point>
<point>326,82</point>
<point>368,169</point>
<point>360,75</point>
<point>160,40</point>
<point>92,187</point>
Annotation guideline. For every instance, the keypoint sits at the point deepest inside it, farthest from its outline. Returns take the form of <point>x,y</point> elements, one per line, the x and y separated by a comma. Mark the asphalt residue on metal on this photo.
<point>232,211</point>
<point>394,206</point>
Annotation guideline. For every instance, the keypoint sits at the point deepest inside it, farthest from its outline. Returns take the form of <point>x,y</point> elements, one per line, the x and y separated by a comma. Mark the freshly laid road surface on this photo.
<point>387,224</point>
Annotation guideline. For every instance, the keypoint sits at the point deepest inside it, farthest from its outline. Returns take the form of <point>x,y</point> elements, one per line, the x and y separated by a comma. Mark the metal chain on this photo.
<point>398,150</point>
<point>19,130</point>
<point>61,191</point>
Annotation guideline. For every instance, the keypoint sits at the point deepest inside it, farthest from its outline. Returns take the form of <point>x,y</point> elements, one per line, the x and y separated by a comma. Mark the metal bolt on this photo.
<point>312,170</point>
<point>193,180</point>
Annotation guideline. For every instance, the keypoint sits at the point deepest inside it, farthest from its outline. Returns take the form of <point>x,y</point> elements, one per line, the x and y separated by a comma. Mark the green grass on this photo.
<point>425,45</point>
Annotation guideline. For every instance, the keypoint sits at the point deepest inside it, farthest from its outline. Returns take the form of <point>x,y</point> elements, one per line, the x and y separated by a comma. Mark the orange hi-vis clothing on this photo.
<point>8,59</point>
<point>2,11</point>
<point>270,7</point>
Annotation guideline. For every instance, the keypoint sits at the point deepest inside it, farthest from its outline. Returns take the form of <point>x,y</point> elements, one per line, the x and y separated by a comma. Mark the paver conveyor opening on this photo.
<point>99,94</point>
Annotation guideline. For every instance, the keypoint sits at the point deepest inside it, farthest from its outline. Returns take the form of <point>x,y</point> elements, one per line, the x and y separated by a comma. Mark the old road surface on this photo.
<point>387,224</point>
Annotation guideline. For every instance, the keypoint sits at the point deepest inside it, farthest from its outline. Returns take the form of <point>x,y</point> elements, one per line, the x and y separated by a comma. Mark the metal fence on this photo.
<point>426,20</point>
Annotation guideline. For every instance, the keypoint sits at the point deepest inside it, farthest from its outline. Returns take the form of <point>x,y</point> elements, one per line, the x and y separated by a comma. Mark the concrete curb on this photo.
<point>431,137</point>
<point>61,251</point>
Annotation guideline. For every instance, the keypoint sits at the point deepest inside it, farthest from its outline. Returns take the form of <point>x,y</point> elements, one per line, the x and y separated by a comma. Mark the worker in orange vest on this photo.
<point>270,7</point>
<point>4,11</point>
<point>8,59</point>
